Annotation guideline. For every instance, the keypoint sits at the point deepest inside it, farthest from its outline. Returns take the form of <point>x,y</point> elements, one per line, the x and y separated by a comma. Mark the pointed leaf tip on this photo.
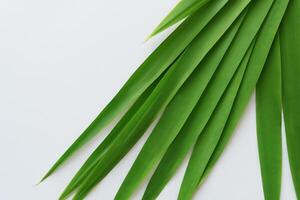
<point>183,9</point>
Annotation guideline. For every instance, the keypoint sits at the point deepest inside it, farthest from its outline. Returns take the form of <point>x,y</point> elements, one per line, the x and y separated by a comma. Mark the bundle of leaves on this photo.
<point>201,79</point>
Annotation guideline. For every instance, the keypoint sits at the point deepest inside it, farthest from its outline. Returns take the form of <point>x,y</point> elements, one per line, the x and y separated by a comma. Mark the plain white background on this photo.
<point>61,61</point>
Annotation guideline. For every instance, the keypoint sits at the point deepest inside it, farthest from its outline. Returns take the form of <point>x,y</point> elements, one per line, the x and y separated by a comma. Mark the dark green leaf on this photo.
<point>290,53</point>
<point>268,120</point>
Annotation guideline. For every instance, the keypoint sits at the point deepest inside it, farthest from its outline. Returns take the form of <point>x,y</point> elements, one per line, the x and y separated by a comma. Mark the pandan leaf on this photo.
<point>197,120</point>
<point>149,71</point>
<point>290,44</point>
<point>268,120</point>
<point>177,112</point>
<point>201,79</point>
<point>209,137</point>
<point>98,153</point>
<point>148,157</point>
<point>161,95</point>
<point>248,30</point>
<point>257,60</point>
<point>183,9</point>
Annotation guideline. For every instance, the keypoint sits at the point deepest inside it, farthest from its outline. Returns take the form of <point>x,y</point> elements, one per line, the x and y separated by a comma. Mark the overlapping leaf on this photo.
<point>193,127</point>
<point>257,60</point>
<point>98,153</point>
<point>161,96</point>
<point>201,78</point>
<point>246,34</point>
<point>153,66</point>
<point>209,137</point>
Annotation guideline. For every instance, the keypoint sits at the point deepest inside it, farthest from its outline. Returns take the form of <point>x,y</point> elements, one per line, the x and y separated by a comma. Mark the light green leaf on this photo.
<point>183,9</point>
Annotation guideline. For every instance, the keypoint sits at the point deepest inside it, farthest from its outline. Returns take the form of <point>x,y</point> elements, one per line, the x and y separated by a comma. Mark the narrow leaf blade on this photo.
<point>103,147</point>
<point>148,156</point>
<point>150,70</point>
<point>268,120</point>
<point>183,9</point>
<point>209,138</point>
<point>162,95</point>
<point>290,43</point>
<point>260,52</point>
<point>200,115</point>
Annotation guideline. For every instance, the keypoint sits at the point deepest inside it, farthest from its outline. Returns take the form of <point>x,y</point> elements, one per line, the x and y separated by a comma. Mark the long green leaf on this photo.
<point>246,34</point>
<point>100,150</point>
<point>149,71</point>
<point>183,9</point>
<point>260,52</point>
<point>162,95</point>
<point>197,120</point>
<point>268,120</point>
<point>290,43</point>
<point>177,112</point>
<point>209,138</point>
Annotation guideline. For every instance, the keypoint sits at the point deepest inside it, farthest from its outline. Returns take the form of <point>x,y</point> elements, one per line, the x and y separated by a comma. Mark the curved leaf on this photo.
<point>150,70</point>
<point>148,156</point>
<point>257,60</point>
<point>161,96</point>
<point>197,120</point>
<point>102,148</point>
<point>209,138</point>
<point>178,111</point>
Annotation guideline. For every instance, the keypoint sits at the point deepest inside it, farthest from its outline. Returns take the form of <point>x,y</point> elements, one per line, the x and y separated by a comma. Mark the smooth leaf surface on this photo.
<point>209,137</point>
<point>199,116</point>
<point>174,119</point>
<point>257,60</point>
<point>290,43</point>
<point>149,71</point>
<point>268,122</point>
<point>183,9</point>
<point>162,95</point>
<point>100,150</point>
